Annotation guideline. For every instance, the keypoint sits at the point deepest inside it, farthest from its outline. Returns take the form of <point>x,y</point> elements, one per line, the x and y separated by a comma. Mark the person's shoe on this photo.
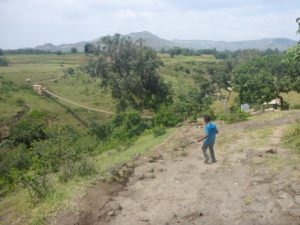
<point>214,161</point>
<point>206,161</point>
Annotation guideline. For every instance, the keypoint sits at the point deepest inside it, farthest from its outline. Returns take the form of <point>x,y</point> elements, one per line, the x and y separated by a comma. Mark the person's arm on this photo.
<point>202,138</point>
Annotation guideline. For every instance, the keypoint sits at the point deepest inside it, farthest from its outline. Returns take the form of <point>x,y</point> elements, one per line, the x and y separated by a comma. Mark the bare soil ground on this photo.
<point>255,181</point>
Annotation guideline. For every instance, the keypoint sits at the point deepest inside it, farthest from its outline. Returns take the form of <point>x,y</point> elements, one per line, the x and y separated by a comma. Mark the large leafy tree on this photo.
<point>130,70</point>
<point>89,48</point>
<point>292,57</point>
<point>266,78</point>
<point>222,76</point>
<point>255,88</point>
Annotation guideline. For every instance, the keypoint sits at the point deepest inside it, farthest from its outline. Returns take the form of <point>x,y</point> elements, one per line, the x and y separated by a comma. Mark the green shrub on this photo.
<point>102,131</point>
<point>168,116</point>
<point>7,86</point>
<point>233,116</point>
<point>127,125</point>
<point>187,107</point>
<point>285,105</point>
<point>37,185</point>
<point>3,62</point>
<point>30,128</point>
<point>296,106</point>
<point>69,71</point>
<point>292,138</point>
<point>159,131</point>
<point>67,171</point>
<point>85,168</point>
<point>20,102</point>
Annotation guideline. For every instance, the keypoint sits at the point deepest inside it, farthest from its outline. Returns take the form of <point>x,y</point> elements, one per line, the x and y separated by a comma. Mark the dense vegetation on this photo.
<point>41,145</point>
<point>219,54</point>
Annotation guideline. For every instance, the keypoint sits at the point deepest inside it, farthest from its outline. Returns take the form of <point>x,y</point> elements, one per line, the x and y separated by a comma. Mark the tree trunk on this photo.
<point>226,101</point>
<point>281,101</point>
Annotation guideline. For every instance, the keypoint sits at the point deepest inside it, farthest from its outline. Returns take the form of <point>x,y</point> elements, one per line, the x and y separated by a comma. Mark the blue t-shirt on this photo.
<point>210,130</point>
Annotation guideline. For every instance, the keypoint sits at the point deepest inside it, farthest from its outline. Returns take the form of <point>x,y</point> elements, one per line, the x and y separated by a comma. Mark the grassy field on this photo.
<point>18,96</point>
<point>79,87</point>
<point>180,71</point>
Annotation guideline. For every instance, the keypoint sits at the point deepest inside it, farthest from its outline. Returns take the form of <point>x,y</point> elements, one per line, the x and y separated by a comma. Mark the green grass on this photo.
<point>182,81</point>
<point>80,87</point>
<point>17,208</point>
<point>84,90</point>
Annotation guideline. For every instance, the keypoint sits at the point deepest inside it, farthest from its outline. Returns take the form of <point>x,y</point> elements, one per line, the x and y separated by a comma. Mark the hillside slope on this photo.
<point>256,181</point>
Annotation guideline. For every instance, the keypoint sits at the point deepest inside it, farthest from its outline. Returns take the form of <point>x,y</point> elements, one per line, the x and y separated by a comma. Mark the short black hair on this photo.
<point>207,118</point>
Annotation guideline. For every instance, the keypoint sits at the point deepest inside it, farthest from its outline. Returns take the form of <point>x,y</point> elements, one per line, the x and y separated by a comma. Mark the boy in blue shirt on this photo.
<point>209,139</point>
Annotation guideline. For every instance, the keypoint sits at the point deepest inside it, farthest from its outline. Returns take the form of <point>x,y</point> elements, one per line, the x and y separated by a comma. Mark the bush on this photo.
<point>190,106</point>
<point>159,131</point>
<point>296,106</point>
<point>85,168</point>
<point>3,62</point>
<point>233,116</point>
<point>285,105</point>
<point>37,185</point>
<point>292,138</point>
<point>102,131</point>
<point>167,116</point>
<point>69,71</point>
<point>30,128</point>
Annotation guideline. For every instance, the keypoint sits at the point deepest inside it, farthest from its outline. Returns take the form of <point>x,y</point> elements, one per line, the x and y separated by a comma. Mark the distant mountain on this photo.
<point>151,40</point>
<point>158,43</point>
<point>279,43</point>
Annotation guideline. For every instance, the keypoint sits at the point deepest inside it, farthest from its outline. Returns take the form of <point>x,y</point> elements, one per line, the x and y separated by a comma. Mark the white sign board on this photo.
<point>245,108</point>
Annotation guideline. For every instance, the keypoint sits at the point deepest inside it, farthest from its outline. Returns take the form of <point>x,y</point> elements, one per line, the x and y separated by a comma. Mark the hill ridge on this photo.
<point>157,43</point>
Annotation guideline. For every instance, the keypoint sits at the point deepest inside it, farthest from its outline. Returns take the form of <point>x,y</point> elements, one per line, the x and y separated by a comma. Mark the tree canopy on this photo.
<point>130,70</point>
<point>266,78</point>
<point>88,48</point>
<point>74,50</point>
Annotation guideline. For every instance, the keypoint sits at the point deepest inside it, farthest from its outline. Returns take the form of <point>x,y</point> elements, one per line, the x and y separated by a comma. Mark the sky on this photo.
<point>27,23</point>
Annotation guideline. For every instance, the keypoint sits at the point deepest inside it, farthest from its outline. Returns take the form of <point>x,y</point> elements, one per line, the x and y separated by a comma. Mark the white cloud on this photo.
<point>32,22</point>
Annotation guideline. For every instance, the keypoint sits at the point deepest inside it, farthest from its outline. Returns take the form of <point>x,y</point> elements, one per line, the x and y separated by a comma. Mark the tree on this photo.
<point>222,76</point>
<point>74,50</point>
<point>273,76</point>
<point>88,48</point>
<point>298,21</point>
<point>292,57</point>
<point>1,52</point>
<point>255,88</point>
<point>129,69</point>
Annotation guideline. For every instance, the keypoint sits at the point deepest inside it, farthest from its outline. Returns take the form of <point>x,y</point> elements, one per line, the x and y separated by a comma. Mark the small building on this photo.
<point>272,105</point>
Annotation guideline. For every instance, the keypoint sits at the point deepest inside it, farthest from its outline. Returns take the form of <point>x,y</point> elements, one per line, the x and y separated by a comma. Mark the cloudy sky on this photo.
<point>27,23</point>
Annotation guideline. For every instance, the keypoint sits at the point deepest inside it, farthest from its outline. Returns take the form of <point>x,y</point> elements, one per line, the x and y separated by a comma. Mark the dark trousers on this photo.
<point>211,150</point>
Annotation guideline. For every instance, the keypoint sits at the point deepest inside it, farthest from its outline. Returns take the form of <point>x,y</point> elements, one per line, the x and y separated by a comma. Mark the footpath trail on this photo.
<point>255,181</point>
<point>50,93</point>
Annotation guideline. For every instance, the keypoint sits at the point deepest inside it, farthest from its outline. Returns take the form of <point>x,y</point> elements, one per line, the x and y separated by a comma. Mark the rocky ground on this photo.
<point>255,181</point>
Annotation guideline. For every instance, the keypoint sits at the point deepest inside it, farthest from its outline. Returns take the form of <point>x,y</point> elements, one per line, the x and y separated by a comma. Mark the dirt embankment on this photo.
<point>255,181</point>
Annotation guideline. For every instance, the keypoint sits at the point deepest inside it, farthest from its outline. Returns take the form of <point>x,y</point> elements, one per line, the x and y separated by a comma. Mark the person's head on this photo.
<point>207,119</point>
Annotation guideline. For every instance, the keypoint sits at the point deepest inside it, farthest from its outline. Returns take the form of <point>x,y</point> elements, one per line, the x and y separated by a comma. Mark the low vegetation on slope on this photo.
<point>292,138</point>
<point>48,146</point>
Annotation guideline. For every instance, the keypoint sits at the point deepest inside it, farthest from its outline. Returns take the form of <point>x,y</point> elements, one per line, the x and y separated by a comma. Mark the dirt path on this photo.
<point>254,182</point>
<point>50,93</point>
